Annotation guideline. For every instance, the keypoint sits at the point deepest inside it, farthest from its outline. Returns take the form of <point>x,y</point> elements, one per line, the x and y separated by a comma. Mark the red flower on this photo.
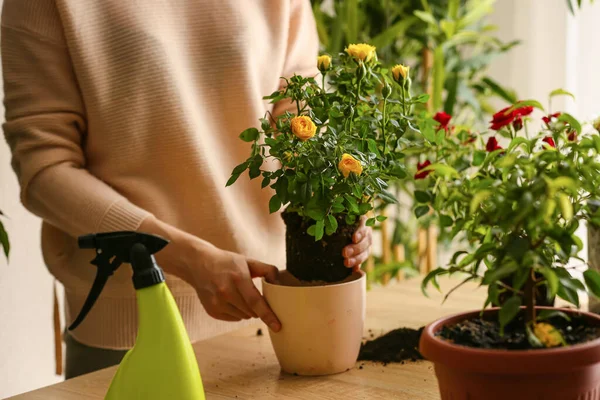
<point>572,136</point>
<point>548,140</point>
<point>524,111</point>
<point>518,124</point>
<point>548,118</point>
<point>443,119</point>
<point>492,144</point>
<point>420,167</point>
<point>502,118</point>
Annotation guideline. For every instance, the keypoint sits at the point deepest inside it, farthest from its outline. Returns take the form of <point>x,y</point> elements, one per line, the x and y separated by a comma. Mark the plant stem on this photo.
<point>404,100</point>
<point>529,290</point>
<point>383,123</point>
<point>357,94</point>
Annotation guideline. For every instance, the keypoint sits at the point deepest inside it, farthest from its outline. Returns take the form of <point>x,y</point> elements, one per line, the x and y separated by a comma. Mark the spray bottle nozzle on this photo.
<point>115,248</point>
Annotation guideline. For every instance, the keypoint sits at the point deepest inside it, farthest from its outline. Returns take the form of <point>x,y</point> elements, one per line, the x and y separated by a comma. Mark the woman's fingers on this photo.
<point>356,254</point>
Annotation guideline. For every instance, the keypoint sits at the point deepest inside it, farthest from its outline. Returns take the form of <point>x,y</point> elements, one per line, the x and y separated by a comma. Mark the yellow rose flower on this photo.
<point>349,164</point>
<point>303,127</point>
<point>400,73</point>
<point>362,52</point>
<point>323,63</point>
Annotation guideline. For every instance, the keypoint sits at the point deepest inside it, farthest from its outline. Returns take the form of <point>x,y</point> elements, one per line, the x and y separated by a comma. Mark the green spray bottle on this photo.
<point>162,364</point>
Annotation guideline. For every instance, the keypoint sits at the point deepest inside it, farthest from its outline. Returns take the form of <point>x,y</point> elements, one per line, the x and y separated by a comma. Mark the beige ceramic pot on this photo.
<point>322,326</point>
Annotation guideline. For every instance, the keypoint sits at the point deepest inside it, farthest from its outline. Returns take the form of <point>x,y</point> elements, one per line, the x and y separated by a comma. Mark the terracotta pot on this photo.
<point>569,373</point>
<point>322,326</point>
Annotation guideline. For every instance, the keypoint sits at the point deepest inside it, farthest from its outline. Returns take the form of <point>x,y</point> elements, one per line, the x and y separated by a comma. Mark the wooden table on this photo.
<point>242,365</point>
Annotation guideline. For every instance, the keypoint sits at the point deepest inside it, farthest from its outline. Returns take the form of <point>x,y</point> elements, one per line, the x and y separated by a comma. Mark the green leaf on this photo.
<point>507,161</point>
<point>311,230</point>
<point>422,98</point>
<point>478,198</point>
<point>331,225</point>
<point>562,182</point>
<point>373,147</point>
<point>319,230</point>
<point>381,218</point>
<point>240,168</point>
<point>249,135</point>
<point>232,179</point>
<point>352,204</point>
<point>561,92</point>
<point>445,221</point>
<point>552,281</point>
<point>442,170</point>
<point>592,280</point>
<point>478,158</point>
<point>432,277</point>
<point>265,182</point>
<point>439,77</point>
<point>497,274</point>
<point>476,13</point>
<point>453,7</point>
<point>533,340</point>
<point>569,295</point>
<point>274,204</point>
<point>517,142</point>
<point>548,314</point>
<point>509,311</point>
<point>499,90</point>
<point>566,208</point>
<point>421,210</point>
<point>422,197</point>
<point>526,103</point>
<point>371,222</point>
<point>571,120</point>
<point>4,242</point>
<point>426,17</point>
<point>448,27</point>
<point>387,197</point>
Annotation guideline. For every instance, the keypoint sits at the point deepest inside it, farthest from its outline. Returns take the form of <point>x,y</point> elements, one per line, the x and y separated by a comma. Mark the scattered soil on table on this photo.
<point>485,333</point>
<point>398,346</point>
<point>259,332</point>
<point>312,261</point>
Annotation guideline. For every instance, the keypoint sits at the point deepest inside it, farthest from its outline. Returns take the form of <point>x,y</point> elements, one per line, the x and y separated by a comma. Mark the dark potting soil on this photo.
<point>400,345</point>
<point>485,333</point>
<point>310,260</point>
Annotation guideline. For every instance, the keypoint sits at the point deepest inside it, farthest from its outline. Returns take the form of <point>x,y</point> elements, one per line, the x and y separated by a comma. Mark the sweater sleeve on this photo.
<point>45,126</point>
<point>302,48</point>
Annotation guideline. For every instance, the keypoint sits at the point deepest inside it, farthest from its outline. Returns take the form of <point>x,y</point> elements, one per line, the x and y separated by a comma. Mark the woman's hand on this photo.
<point>222,279</point>
<point>358,252</point>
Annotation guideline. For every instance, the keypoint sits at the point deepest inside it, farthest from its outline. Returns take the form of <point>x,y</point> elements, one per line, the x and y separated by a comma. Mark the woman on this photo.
<point>124,115</point>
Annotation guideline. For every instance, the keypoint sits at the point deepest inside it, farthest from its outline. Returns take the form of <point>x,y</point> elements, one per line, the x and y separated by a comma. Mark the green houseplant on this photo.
<point>329,165</point>
<point>518,206</point>
<point>336,156</point>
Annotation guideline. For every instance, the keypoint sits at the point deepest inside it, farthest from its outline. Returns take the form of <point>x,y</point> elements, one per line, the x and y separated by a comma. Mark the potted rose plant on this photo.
<point>334,158</point>
<point>519,206</point>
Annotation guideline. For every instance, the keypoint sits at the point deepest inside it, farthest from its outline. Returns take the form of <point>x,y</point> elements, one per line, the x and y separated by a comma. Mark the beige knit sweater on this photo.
<point>116,110</point>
